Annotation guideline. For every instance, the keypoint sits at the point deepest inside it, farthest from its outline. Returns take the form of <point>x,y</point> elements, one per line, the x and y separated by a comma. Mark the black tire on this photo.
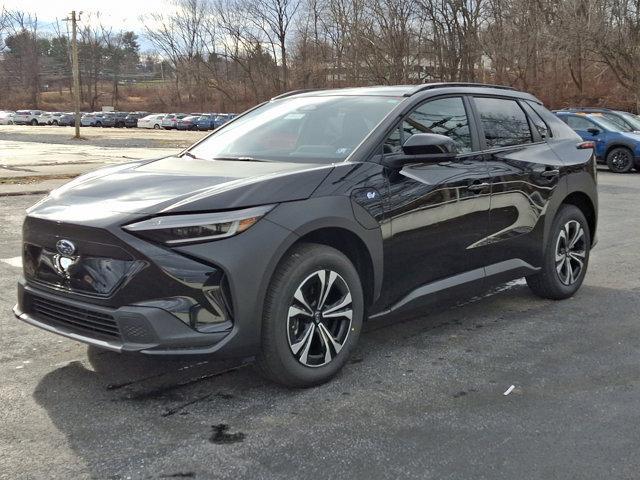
<point>156,127</point>
<point>54,123</point>
<point>548,282</point>
<point>98,124</point>
<point>620,160</point>
<point>276,358</point>
<point>34,122</point>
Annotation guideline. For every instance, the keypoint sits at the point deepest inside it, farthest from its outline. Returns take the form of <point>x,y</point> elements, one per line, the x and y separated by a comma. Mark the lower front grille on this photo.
<point>81,320</point>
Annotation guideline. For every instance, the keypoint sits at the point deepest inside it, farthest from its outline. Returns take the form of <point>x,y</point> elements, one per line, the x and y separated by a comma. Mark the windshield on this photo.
<point>300,129</point>
<point>632,120</point>
<point>607,124</point>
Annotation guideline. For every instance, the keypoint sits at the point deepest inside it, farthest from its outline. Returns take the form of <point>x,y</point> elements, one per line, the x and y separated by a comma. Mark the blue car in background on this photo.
<point>627,121</point>
<point>223,118</point>
<point>615,145</point>
<point>206,121</point>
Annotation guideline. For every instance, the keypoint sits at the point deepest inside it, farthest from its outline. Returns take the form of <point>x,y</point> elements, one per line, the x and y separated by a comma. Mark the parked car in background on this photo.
<point>625,120</point>
<point>119,119</point>
<point>49,118</point>
<point>66,119</point>
<point>131,120</point>
<point>27,117</point>
<point>170,121</point>
<point>222,118</point>
<point>98,119</point>
<point>618,148</point>
<point>206,121</point>
<point>188,122</point>
<point>6,117</point>
<point>151,121</point>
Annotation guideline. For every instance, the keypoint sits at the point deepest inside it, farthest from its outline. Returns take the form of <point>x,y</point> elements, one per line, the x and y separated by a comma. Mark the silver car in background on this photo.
<point>153,121</point>
<point>27,117</point>
<point>170,121</point>
<point>6,117</point>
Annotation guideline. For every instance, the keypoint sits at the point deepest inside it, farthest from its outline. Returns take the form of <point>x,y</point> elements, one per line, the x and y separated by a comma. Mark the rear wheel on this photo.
<point>98,124</point>
<point>620,160</point>
<point>34,122</point>
<point>566,257</point>
<point>156,127</point>
<point>312,317</point>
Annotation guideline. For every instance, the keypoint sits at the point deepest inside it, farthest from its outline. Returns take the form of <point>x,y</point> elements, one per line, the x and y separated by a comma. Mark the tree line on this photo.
<point>230,54</point>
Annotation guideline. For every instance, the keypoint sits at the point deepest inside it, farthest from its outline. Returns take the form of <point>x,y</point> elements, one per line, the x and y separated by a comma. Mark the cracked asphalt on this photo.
<point>423,397</point>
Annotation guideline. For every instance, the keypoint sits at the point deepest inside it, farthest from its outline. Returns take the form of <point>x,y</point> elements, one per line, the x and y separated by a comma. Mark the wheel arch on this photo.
<point>618,144</point>
<point>339,230</point>
<point>352,246</point>
<point>582,201</point>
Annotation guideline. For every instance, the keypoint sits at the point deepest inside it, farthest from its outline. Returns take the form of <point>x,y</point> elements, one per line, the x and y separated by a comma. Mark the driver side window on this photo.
<point>579,123</point>
<point>444,116</point>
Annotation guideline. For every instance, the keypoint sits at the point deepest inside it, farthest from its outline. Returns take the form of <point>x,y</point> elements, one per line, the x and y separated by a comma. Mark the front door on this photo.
<point>438,211</point>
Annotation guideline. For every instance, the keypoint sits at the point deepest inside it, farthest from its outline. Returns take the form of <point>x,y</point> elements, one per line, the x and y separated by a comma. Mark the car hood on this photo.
<point>178,184</point>
<point>634,136</point>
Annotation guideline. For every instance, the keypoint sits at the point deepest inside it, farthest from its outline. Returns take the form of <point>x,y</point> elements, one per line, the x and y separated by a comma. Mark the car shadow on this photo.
<point>115,408</point>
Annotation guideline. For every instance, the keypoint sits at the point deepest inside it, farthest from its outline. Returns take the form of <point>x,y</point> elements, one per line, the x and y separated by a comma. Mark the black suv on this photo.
<point>281,232</point>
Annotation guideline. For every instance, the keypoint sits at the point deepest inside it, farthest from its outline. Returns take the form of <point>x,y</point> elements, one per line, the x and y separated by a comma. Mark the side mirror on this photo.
<point>593,131</point>
<point>424,148</point>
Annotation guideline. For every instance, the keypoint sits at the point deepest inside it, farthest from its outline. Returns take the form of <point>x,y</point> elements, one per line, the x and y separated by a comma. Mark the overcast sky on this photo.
<point>119,14</point>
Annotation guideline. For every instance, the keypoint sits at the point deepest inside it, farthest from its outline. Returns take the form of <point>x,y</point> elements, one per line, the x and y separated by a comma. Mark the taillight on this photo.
<point>586,145</point>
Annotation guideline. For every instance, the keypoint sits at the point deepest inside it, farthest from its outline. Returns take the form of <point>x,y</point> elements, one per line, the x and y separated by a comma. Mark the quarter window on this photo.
<point>444,116</point>
<point>503,121</point>
<point>537,121</point>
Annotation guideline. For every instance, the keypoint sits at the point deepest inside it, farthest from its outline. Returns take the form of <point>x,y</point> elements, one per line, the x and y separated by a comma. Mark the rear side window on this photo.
<point>503,121</point>
<point>579,123</point>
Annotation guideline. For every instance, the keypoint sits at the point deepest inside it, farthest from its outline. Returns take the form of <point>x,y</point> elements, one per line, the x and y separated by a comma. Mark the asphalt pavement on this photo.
<point>421,398</point>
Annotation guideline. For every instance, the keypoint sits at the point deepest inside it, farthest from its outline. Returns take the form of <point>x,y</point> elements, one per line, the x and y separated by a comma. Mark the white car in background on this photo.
<point>6,117</point>
<point>27,117</point>
<point>152,121</point>
<point>49,118</point>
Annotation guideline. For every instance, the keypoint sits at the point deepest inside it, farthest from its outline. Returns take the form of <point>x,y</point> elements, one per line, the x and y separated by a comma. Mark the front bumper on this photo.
<point>146,330</point>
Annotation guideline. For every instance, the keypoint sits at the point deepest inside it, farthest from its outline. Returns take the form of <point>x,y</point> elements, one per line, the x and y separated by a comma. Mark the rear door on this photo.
<point>524,174</point>
<point>438,211</point>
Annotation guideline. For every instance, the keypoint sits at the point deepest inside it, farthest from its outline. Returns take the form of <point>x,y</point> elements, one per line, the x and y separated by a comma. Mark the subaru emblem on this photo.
<point>65,247</point>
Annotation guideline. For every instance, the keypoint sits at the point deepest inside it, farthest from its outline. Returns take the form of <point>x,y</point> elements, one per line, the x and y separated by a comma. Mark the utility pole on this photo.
<point>76,70</point>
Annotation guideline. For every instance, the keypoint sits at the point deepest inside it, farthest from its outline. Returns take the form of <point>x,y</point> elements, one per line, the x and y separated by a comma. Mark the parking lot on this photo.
<point>422,397</point>
<point>48,152</point>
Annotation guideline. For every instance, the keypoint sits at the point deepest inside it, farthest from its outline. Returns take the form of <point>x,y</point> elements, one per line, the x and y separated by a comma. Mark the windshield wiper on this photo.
<point>239,159</point>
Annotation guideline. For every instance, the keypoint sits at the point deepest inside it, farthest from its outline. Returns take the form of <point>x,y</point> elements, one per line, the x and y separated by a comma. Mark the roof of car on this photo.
<point>409,90</point>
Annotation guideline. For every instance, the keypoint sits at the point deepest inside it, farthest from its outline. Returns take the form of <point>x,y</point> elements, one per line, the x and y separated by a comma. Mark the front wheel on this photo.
<point>566,256</point>
<point>34,122</point>
<point>620,160</point>
<point>312,318</point>
<point>156,127</point>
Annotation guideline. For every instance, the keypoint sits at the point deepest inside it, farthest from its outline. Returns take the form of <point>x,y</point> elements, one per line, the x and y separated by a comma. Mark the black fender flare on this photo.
<point>306,216</point>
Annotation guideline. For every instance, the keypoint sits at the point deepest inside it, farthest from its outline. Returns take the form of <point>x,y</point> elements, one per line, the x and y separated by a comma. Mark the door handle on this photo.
<point>550,173</point>
<point>478,187</point>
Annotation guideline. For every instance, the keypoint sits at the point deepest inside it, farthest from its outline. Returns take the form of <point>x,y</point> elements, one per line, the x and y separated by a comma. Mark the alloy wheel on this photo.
<point>621,159</point>
<point>570,252</point>
<point>319,318</point>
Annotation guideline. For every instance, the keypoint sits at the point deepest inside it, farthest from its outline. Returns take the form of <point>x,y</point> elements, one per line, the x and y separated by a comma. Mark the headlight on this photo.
<point>199,227</point>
